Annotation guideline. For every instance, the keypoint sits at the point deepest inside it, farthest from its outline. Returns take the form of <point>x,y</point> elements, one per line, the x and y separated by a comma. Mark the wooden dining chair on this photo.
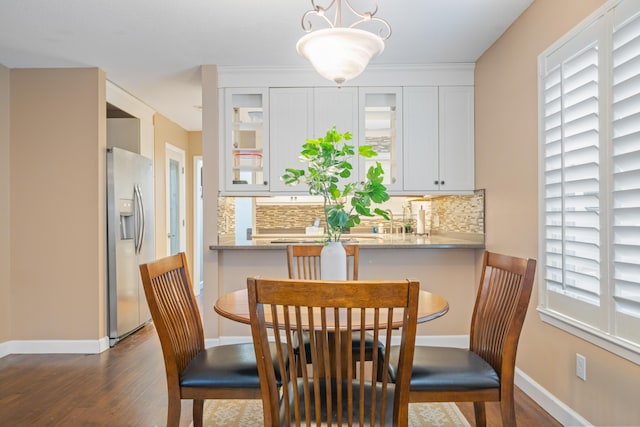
<point>193,371</point>
<point>484,372</point>
<point>303,261</point>
<point>328,390</point>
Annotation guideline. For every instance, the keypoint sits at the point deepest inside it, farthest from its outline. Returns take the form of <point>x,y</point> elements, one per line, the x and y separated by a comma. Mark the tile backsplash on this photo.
<point>443,214</point>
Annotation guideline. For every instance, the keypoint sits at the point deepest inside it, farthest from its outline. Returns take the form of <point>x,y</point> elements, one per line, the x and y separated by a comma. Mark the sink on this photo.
<point>354,239</point>
<point>290,241</point>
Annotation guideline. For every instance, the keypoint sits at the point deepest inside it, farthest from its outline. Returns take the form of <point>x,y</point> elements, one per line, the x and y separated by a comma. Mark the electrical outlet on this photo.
<point>581,367</point>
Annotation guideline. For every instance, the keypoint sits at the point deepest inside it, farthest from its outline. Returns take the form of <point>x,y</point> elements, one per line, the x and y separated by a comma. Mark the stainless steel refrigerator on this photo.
<point>130,239</point>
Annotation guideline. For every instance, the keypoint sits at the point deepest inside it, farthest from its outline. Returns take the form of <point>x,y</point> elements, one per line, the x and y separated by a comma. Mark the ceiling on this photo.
<point>153,48</point>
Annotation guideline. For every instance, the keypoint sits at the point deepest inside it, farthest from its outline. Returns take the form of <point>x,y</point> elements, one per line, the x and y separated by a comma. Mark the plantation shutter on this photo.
<point>572,179</point>
<point>589,164</point>
<point>625,179</point>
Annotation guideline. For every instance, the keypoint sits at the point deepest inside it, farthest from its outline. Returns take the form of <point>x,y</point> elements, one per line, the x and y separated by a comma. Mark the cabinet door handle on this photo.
<point>441,182</point>
<point>436,182</point>
<point>266,183</point>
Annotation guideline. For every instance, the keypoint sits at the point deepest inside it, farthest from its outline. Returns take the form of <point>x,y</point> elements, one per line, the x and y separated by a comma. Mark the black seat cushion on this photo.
<point>231,366</point>
<point>440,368</point>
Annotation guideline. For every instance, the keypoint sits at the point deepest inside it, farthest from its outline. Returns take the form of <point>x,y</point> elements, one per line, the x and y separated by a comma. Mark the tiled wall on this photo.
<point>459,213</point>
<point>226,215</point>
<point>273,217</point>
<point>443,214</point>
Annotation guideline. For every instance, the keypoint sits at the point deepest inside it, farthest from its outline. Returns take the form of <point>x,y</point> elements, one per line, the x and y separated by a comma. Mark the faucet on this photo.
<point>390,220</point>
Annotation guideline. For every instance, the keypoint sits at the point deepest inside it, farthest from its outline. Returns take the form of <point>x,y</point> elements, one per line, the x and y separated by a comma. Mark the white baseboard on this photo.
<point>460,341</point>
<point>4,349</point>
<point>211,342</point>
<point>557,409</point>
<point>54,346</point>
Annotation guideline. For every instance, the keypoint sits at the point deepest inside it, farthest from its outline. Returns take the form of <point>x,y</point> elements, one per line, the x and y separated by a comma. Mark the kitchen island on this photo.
<point>444,263</point>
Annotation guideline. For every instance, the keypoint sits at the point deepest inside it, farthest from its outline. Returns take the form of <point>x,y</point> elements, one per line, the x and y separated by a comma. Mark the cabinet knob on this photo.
<point>441,182</point>
<point>266,183</point>
<point>436,182</point>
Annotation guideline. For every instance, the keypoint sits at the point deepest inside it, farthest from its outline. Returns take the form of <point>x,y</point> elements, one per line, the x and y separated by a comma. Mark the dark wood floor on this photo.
<point>125,386</point>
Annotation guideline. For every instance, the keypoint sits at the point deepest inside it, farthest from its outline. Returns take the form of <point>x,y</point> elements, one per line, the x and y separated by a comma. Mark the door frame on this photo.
<point>198,231</point>
<point>174,153</point>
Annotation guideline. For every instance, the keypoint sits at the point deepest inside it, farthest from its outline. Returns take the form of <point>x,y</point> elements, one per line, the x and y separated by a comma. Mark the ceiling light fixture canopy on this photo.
<point>341,53</point>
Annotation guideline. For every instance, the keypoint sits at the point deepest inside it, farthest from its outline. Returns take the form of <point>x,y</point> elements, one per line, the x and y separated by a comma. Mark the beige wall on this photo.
<point>52,202</point>
<point>57,204</point>
<point>506,153</point>
<point>195,143</point>
<point>211,160</point>
<point>5,259</point>
<point>168,132</point>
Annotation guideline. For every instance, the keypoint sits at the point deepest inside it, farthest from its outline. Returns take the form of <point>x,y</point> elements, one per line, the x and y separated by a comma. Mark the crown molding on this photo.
<point>454,74</point>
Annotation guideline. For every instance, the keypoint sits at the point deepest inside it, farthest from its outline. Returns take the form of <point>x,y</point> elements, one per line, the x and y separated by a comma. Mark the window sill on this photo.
<point>612,344</point>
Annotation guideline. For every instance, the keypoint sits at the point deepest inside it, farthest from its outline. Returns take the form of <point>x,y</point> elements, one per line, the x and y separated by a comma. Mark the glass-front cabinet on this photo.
<point>423,135</point>
<point>381,127</point>
<point>246,140</point>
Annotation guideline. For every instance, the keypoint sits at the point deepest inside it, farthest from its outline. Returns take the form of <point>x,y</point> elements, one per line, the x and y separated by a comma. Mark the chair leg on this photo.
<point>508,411</point>
<point>480,413</point>
<point>173,412</point>
<point>198,405</point>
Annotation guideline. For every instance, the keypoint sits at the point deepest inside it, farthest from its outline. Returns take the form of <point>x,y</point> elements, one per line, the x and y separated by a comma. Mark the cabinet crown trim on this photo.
<point>443,74</point>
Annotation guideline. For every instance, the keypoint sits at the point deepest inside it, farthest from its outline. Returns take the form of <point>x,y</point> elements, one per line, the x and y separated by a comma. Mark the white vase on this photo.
<point>333,262</point>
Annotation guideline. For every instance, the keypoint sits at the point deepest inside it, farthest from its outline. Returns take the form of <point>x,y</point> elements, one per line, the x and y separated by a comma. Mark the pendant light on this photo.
<point>341,53</point>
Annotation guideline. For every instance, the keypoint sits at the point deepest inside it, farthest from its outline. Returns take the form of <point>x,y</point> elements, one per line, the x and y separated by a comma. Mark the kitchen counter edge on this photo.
<point>441,241</point>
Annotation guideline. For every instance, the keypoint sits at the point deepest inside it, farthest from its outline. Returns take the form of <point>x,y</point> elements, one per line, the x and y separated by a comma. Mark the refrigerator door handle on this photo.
<point>140,223</point>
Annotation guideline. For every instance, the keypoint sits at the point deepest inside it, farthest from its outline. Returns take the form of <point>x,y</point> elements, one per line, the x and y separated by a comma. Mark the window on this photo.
<point>589,132</point>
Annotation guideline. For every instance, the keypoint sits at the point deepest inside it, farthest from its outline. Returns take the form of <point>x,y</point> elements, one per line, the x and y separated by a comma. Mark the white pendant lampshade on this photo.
<point>340,54</point>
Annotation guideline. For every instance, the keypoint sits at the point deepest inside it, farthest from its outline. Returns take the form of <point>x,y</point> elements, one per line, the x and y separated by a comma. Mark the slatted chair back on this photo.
<point>174,311</point>
<point>328,390</point>
<point>193,371</point>
<point>500,309</point>
<point>485,371</point>
<point>304,261</point>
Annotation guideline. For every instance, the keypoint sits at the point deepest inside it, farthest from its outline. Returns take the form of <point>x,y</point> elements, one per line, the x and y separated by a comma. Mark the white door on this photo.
<point>175,200</point>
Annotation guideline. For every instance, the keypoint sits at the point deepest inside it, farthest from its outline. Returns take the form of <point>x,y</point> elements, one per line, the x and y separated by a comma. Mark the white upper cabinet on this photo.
<point>420,155</point>
<point>438,139</point>
<point>339,108</point>
<point>381,127</point>
<point>291,112</point>
<point>335,107</point>
<point>246,140</point>
<point>424,135</point>
<point>456,124</point>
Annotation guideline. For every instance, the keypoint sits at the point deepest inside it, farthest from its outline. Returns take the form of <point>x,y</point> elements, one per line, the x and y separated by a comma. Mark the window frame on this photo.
<point>598,332</point>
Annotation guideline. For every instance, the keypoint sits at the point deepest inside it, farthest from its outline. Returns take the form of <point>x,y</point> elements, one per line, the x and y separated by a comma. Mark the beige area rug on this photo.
<point>248,413</point>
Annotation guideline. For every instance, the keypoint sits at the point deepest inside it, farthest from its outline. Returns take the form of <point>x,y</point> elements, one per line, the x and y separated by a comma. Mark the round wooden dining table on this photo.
<point>235,306</point>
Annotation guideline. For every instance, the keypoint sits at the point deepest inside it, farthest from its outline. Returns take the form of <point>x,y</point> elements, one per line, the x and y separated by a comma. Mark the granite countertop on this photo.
<point>365,240</point>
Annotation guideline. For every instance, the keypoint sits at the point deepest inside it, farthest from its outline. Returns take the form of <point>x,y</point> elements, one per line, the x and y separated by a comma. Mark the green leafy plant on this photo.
<point>328,167</point>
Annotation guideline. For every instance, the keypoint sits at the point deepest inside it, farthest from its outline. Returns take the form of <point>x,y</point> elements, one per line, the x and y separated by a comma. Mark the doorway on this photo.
<point>175,199</point>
